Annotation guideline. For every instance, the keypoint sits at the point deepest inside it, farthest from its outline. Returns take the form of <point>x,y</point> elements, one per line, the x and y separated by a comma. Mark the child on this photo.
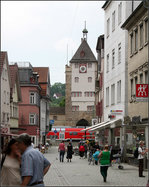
<point>95,156</point>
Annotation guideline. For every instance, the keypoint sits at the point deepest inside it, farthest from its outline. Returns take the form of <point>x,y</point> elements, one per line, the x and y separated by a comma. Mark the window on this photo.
<point>90,108</point>
<point>4,97</point>
<point>146,77</point>
<point>89,94</point>
<point>132,87</point>
<point>76,94</point>
<point>89,79</point>
<point>76,65</point>
<point>119,53</point>
<point>54,117</point>
<point>113,58</point>
<point>141,78</point>
<point>3,117</point>
<point>131,43</point>
<point>136,40</point>
<point>8,96</point>
<point>75,108</point>
<point>146,30</point>
<point>32,119</point>
<point>119,13</point>
<point>32,98</point>
<point>74,133</point>
<point>108,27</point>
<point>107,63</point>
<point>141,35</point>
<point>107,96</point>
<point>89,65</point>
<point>136,82</point>
<point>113,21</point>
<point>119,91</point>
<point>113,94</point>
<point>61,135</point>
<point>76,79</point>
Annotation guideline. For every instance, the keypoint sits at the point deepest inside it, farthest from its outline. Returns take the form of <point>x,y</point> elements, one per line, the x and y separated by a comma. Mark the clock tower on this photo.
<point>80,85</point>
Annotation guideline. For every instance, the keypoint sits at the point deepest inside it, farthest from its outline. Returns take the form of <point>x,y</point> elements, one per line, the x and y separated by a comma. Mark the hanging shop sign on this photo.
<point>141,92</point>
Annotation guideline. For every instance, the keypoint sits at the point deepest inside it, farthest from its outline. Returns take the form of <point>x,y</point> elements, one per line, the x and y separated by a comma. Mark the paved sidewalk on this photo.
<point>79,173</point>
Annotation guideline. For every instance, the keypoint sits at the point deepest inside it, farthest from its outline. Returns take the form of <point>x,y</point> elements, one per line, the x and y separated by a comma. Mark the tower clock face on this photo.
<point>82,68</point>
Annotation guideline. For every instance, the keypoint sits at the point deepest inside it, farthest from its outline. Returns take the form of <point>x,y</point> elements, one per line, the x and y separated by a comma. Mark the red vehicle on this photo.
<point>70,133</point>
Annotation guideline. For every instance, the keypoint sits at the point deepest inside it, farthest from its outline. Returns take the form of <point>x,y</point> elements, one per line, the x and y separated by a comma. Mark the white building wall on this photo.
<point>5,96</point>
<point>83,86</point>
<point>119,71</point>
<point>42,117</point>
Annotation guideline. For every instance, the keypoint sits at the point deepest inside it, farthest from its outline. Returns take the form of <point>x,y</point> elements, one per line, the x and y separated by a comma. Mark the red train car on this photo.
<point>70,133</point>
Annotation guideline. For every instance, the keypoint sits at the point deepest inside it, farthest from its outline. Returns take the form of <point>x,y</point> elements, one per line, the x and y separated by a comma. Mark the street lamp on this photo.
<point>146,5</point>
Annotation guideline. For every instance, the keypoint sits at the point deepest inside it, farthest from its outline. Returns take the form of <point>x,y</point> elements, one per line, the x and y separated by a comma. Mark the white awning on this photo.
<point>107,124</point>
<point>94,126</point>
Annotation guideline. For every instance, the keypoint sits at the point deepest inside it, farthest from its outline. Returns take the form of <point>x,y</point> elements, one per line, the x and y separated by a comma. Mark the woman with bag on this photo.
<point>69,152</point>
<point>10,167</point>
<point>104,157</point>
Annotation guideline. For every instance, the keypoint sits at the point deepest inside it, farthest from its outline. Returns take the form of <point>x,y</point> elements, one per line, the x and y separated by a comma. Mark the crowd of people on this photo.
<point>24,165</point>
<point>100,155</point>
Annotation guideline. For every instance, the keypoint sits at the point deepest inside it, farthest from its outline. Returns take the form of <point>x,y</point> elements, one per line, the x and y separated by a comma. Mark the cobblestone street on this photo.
<point>80,173</point>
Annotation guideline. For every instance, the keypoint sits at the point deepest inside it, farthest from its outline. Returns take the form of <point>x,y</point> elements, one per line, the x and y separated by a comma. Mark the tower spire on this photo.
<point>85,31</point>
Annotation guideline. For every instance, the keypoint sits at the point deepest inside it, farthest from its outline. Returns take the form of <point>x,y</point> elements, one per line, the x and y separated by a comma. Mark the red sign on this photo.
<point>141,90</point>
<point>5,130</point>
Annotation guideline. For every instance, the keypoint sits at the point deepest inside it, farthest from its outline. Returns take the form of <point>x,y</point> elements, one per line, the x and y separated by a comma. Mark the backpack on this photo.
<point>136,153</point>
<point>81,148</point>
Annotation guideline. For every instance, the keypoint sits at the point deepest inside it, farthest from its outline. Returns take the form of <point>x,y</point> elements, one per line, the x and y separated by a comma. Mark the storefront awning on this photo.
<point>106,125</point>
<point>89,128</point>
<point>8,134</point>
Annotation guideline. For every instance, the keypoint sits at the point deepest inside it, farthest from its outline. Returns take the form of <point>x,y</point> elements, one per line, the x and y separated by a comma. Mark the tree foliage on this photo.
<point>58,88</point>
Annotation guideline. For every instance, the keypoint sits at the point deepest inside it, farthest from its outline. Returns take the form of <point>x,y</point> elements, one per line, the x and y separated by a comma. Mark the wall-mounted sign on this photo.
<point>142,92</point>
<point>51,122</point>
<point>116,111</point>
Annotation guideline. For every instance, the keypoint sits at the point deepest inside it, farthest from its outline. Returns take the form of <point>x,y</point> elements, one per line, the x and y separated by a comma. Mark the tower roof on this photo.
<point>83,54</point>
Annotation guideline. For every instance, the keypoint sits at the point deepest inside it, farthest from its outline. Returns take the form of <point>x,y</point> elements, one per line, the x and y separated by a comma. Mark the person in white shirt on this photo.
<point>141,155</point>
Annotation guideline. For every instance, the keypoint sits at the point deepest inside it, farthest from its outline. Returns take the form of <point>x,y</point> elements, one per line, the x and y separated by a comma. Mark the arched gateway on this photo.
<point>82,122</point>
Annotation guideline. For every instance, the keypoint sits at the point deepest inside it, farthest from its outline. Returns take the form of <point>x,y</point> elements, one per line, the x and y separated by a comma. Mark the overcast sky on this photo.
<point>38,32</point>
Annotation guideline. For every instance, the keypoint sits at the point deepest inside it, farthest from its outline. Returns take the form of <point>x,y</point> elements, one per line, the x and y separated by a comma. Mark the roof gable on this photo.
<point>83,54</point>
<point>3,59</point>
<point>44,79</point>
<point>43,74</point>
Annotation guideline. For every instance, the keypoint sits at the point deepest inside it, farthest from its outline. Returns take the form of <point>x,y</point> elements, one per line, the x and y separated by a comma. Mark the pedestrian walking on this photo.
<point>104,157</point>
<point>10,165</point>
<point>141,152</point>
<point>86,148</point>
<point>69,152</point>
<point>61,150</point>
<point>96,146</point>
<point>81,151</point>
<point>33,164</point>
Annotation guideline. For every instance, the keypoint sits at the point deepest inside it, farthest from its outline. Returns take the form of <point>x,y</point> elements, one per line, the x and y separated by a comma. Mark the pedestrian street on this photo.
<point>80,173</point>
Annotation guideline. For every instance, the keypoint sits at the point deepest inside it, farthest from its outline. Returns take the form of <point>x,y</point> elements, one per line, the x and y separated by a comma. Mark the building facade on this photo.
<point>5,98</point>
<point>115,63</point>
<point>15,98</point>
<point>80,86</point>
<point>44,82</point>
<point>137,26</point>
<point>29,108</point>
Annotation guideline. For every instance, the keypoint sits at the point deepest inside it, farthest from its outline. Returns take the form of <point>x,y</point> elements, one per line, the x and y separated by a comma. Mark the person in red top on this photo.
<point>61,150</point>
<point>81,150</point>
